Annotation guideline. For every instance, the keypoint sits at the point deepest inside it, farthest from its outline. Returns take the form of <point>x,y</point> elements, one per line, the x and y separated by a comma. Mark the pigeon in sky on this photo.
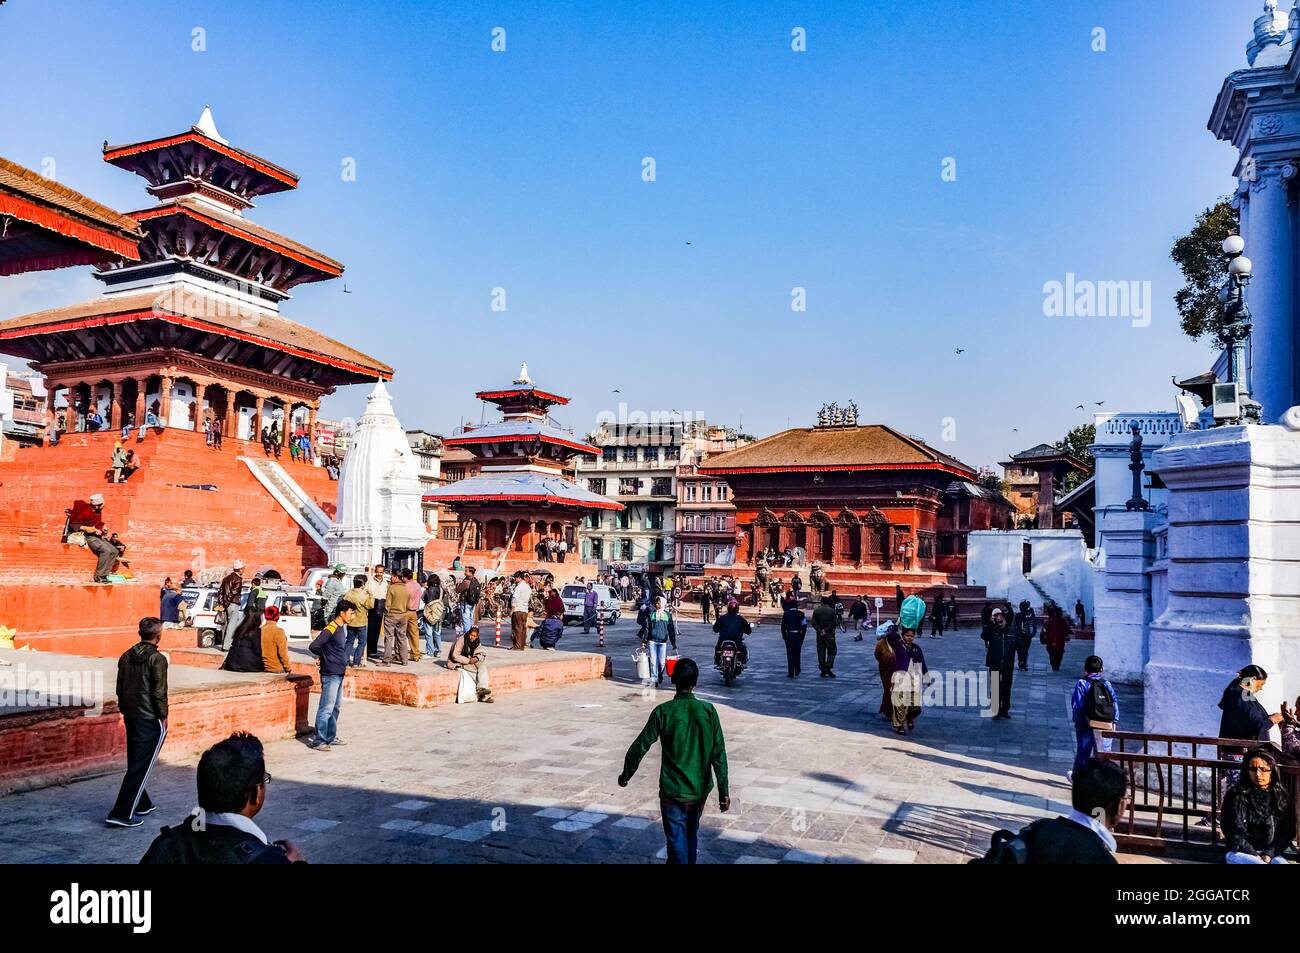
<point>1099,402</point>
<point>1080,406</point>
<point>345,290</point>
<point>961,350</point>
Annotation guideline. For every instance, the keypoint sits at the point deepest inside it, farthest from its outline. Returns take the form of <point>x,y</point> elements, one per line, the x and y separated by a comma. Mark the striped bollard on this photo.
<point>600,630</point>
<point>498,635</point>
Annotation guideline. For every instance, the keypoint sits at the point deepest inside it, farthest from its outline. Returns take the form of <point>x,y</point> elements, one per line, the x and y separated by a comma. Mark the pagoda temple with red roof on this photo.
<point>190,321</point>
<point>520,493</point>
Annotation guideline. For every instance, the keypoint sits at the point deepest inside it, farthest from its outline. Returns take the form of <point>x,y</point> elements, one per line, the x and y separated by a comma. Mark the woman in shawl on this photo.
<point>908,679</point>
<point>245,653</point>
<point>1258,823</point>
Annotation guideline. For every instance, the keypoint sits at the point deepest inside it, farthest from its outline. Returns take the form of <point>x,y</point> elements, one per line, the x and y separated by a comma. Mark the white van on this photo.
<point>607,605</point>
<point>294,602</point>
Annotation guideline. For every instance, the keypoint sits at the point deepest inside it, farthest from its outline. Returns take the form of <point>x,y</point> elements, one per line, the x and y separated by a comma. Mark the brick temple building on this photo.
<point>865,498</point>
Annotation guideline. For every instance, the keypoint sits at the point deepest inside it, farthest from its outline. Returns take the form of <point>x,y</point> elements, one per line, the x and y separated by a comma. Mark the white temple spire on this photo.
<point>208,126</point>
<point>523,377</point>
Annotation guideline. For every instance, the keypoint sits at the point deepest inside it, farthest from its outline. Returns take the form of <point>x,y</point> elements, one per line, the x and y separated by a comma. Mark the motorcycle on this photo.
<point>729,663</point>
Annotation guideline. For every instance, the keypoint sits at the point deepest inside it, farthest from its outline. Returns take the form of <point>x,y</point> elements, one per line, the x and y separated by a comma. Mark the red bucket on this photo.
<point>670,663</point>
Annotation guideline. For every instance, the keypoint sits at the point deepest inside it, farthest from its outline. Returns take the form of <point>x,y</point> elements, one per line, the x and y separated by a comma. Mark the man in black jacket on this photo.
<point>142,699</point>
<point>1000,657</point>
<point>232,783</point>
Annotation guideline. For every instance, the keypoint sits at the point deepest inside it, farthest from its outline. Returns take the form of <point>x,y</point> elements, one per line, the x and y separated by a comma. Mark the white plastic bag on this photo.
<point>466,691</point>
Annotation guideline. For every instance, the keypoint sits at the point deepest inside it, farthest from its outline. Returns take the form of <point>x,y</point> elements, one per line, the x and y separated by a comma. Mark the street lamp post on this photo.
<point>1235,330</point>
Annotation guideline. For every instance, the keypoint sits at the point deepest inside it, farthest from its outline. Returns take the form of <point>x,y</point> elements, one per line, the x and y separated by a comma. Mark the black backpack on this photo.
<point>472,593</point>
<point>1100,704</point>
<point>1008,848</point>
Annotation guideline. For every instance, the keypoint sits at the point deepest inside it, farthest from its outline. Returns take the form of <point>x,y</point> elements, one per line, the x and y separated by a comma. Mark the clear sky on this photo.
<point>775,169</point>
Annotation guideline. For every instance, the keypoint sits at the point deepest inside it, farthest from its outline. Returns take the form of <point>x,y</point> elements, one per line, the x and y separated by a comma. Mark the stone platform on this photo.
<point>75,730</point>
<point>428,684</point>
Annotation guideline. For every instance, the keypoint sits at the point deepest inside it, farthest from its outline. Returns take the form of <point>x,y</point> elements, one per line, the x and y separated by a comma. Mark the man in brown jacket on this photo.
<point>397,616</point>
<point>275,644</point>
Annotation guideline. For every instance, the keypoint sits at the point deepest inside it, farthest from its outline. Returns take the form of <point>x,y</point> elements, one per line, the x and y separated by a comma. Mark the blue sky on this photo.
<point>522,170</point>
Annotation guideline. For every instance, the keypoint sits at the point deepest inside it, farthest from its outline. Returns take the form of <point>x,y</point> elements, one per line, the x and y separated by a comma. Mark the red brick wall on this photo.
<point>50,746</point>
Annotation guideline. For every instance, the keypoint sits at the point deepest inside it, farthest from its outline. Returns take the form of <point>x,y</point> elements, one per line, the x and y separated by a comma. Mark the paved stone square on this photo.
<point>816,775</point>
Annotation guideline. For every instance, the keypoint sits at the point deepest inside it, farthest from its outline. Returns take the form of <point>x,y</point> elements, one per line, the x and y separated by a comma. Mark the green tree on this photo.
<point>991,480</point>
<point>1076,444</point>
<point>1205,269</point>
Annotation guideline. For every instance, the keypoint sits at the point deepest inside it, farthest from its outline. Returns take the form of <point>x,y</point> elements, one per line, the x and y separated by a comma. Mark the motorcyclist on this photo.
<point>732,627</point>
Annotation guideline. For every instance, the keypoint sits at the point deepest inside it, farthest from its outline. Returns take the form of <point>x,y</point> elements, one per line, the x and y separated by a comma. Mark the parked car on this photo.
<point>294,602</point>
<point>607,606</point>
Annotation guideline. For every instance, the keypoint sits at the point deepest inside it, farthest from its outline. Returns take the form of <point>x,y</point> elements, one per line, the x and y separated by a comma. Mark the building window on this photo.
<point>690,493</point>
<point>721,523</point>
<point>661,486</point>
<point>595,520</point>
<point>625,549</point>
<point>690,525</point>
<point>609,454</point>
<point>597,547</point>
<point>688,554</point>
<point>722,491</point>
<point>623,519</point>
<point>924,546</point>
<point>708,492</point>
<point>672,452</point>
<point>597,486</point>
<point>654,516</point>
<point>629,486</point>
<point>628,454</point>
<point>656,550</point>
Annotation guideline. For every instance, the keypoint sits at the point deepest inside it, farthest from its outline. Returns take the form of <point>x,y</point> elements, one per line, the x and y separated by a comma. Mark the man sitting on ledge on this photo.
<point>86,516</point>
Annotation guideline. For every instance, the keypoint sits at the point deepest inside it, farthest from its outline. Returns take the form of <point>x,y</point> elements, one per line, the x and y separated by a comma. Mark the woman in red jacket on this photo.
<point>1056,632</point>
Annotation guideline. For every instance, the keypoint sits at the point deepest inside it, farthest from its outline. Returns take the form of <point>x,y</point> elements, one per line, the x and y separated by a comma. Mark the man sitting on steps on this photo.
<point>86,516</point>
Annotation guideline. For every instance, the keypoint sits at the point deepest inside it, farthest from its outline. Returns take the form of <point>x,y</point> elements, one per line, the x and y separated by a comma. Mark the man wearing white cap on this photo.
<point>86,517</point>
<point>228,597</point>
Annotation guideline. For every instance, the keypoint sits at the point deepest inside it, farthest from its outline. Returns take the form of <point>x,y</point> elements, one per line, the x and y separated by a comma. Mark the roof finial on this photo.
<point>523,377</point>
<point>1272,42</point>
<point>208,126</point>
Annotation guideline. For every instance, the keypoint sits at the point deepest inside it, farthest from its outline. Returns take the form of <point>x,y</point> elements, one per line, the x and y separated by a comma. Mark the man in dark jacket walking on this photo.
<point>142,699</point>
<point>793,629</point>
<point>1000,656</point>
<point>825,620</point>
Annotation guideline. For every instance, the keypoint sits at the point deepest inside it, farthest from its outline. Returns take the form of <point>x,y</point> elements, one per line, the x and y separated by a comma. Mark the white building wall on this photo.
<point>1060,568</point>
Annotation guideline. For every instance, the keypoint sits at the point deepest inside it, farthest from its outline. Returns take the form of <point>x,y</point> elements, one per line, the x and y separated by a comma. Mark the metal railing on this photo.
<point>1177,784</point>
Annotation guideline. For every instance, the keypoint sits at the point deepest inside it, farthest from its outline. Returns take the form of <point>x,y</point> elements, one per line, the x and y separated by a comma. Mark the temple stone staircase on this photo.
<point>297,502</point>
<point>187,507</point>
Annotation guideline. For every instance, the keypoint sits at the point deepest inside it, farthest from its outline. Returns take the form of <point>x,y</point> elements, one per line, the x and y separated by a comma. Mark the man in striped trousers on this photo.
<point>142,699</point>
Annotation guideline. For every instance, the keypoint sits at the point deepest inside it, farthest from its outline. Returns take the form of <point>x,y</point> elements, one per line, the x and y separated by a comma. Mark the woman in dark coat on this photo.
<point>245,653</point>
<point>1243,716</point>
<point>1258,823</point>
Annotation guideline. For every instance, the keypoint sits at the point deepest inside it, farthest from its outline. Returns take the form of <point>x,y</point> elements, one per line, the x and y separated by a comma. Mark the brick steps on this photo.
<point>167,527</point>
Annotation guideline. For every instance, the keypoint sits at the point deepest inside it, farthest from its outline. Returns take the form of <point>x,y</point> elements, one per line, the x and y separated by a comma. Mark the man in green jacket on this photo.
<point>693,754</point>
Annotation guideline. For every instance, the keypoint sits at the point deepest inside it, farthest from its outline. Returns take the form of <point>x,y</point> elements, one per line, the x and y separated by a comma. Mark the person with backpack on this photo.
<point>432,612</point>
<point>1097,795</point>
<point>1094,708</point>
<point>1026,632</point>
<point>470,591</point>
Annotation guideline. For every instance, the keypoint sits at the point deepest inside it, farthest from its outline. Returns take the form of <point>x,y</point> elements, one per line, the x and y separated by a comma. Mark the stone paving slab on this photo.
<point>817,776</point>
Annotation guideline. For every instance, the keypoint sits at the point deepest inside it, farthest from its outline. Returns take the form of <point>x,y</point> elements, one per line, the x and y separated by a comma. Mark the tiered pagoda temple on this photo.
<point>520,493</point>
<point>859,497</point>
<point>191,320</point>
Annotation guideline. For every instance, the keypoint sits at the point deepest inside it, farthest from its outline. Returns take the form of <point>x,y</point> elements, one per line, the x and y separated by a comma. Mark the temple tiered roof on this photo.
<point>45,225</point>
<point>869,447</point>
